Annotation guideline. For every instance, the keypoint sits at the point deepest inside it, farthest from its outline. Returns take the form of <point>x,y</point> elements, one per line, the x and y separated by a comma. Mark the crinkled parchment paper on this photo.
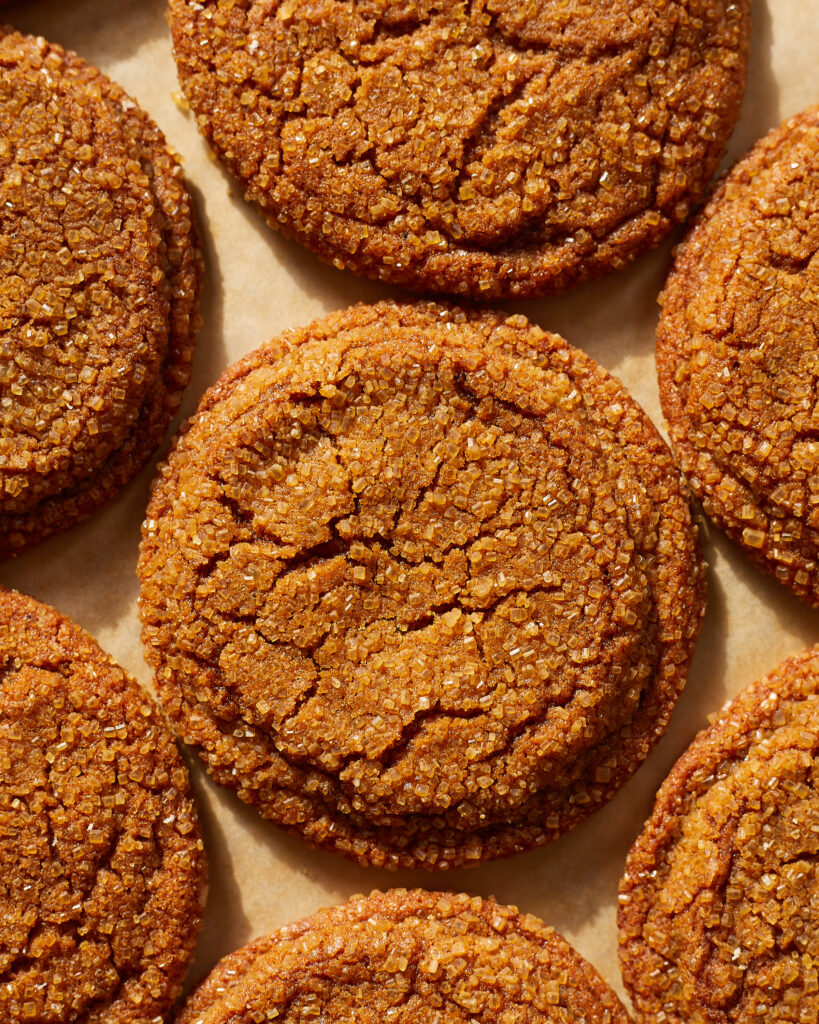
<point>257,284</point>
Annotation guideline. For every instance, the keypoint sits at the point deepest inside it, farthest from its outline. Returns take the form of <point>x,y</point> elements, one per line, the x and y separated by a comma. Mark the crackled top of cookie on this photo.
<point>718,917</point>
<point>430,574</point>
<point>98,281</point>
<point>488,148</point>
<point>404,956</point>
<point>738,354</point>
<point>101,864</point>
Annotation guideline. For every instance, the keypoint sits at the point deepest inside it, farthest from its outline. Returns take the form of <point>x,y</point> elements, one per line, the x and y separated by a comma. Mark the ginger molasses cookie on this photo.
<point>718,906</point>
<point>101,864</point>
<point>99,273</point>
<point>421,585</point>
<point>487,148</point>
<point>407,957</point>
<point>738,355</point>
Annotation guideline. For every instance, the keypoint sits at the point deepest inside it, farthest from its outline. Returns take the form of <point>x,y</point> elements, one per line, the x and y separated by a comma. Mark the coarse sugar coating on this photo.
<point>422,585</point>
<point>487,148</point>
<point>99,277</point>
<point>407,957</point>
<point>718,906</point>
<point>738,355</point>
<point>101,864</point>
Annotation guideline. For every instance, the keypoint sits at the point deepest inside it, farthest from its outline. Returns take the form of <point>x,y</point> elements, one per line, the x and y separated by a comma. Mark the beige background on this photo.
<point>259,283</point>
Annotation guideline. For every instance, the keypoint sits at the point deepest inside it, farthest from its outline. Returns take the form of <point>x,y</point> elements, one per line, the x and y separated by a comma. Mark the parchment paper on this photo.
<point>257,284</point>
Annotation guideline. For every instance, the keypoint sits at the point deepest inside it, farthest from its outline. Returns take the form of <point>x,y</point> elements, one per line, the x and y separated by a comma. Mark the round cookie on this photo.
<point>738,355</point>
<point>407,957</point>
<point>486,148</point>
<point>99,280</point>
<point>718,906</point>
<point>101,864</point>
<point>421,584</point>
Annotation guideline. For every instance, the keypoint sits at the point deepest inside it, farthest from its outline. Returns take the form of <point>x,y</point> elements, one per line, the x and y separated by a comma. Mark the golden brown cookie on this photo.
<point>101,864</point>
<point>718,906</point>
<point>738,355</point>
<point>487,148</point>
<point>422,585</point>
<point>407,957</point>
<point>99,275</point>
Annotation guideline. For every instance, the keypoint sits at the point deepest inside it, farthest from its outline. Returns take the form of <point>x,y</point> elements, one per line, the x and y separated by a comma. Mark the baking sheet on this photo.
<point>257,284</point>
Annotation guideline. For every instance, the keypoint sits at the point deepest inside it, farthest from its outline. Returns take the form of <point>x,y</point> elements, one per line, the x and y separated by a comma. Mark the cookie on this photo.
<point>421,585</point>
<point>407,957</point>
<point>101,864</point>
<point>99,278</point>
<point>486,148</point>
<point>738,355</point>
<point>718,905</point>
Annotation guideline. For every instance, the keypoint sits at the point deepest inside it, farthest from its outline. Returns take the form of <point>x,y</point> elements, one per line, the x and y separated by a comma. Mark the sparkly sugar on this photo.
<point>718,902</point>
<point>381,602</point>
<point>99,844</point>
<point>451,148</point>
<point>737,354</point>
<point>99,272</point>
<point>409,956</point>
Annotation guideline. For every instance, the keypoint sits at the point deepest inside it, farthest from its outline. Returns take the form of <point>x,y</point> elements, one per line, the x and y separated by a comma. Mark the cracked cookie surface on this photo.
<point>738,355</point>
<point>99,276</point>
<point>489,148</point>
<point>408,957</point>
<point>421,585</point>
<point>718,920</point>
<point>101,864</point>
